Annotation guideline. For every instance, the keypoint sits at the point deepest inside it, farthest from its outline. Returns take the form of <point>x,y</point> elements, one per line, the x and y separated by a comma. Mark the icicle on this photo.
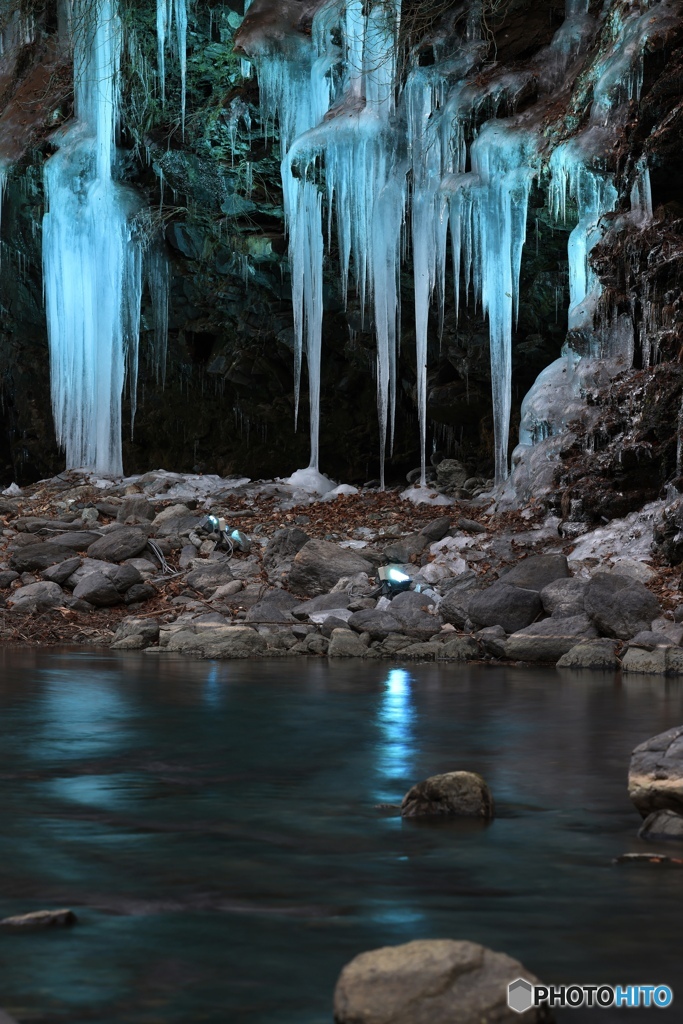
<point>91,260</point>
<point>162,32</point>
<point>3,185</point>
<point>159,283</point>
<point>181,44</point>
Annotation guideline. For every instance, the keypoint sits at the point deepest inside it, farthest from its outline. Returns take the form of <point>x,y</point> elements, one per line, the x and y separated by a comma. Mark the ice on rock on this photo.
<point>92,261</point>
<point>310,481</point>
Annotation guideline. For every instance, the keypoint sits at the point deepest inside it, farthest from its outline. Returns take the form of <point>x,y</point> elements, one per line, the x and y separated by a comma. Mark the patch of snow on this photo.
<point>355,545</point>
<point>13,489</point>
<point>425,496</point>
<point>310,480</point>
<point>628,538</point>
<point>340,490</point>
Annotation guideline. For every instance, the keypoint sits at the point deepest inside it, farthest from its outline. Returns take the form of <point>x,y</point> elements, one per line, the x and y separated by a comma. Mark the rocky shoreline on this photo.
<point>130,564</point>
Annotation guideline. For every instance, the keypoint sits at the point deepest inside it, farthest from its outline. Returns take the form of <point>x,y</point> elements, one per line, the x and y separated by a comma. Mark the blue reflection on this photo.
<point>213,691</point>
<point>396,750</point>
<point>82,716</point>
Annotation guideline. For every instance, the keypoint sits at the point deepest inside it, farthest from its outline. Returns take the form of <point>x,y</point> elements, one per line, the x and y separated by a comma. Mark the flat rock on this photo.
<point>222,642</point>
<point>549,639</point>
<point>453,794</point>
<point>117,545</point>
<point>513,608</point>
<point>662,826</point>
<point>78,540</point>
<point>319,565</point>
<point>37,557</point>
<point>36,597</point>
<point>208,578</point>
<point>655,777</point>
<point>537,572</point>
<point>619,606</point>
<point>431,981</point>
<point>135,634</point>
<point>599,655</point>
<point>344,643</point>
<point>41,919</point>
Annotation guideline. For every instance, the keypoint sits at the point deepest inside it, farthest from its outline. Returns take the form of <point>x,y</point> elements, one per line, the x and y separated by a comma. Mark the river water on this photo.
<point>214,826</point>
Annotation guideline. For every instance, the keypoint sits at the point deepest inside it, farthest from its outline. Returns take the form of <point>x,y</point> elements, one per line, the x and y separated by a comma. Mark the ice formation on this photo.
<point>92,262</point>
<point>167,12</point>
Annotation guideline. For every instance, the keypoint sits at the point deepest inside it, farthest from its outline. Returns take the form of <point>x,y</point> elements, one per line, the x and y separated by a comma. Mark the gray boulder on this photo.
<point>599,655</point>
<point>453,794</point>
<point>37,557</point>
<point>649,640</point>
<point>61,572</point>
<point>655,776</point>
<point>319,565</point>
<point>662,826</point>
<point>378,624</point>
<point>640,661</point>
<point>36,597</point>
<point>548,640</point>
<point>537,572</point>
<point>135,507</point>
<point>78,540</point>
<point>461,648</point>
<point>284,545</point>
<point>412,600</point>
<point>135,634</point>
<point>492,639</point>
<point>344,643</point>
<point>7,578</point>
<point>619,606</point>
<point>564,598</point>
<point>513,608</point>
<point>126,576</point>
<point>421,652</point>
<point>222,642</point>
<point>117,545</point>
<point>451,475</point>
<point>275,607</point>
<point>99,590</point>
<point>431,981</point>
<point>207,578</point>
<point>139,592</point>
<point>323,603</point>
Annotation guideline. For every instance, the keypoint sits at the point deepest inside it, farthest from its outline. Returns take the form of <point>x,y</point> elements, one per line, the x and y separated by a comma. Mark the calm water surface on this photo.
<point>214,827</point>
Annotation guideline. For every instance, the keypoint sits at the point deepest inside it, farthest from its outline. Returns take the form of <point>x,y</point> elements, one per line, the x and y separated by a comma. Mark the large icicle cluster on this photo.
<point>91,260</point>
<point>167,12</point>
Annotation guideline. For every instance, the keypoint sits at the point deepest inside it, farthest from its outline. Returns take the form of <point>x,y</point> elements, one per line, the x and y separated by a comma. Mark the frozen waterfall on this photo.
<point>91,259</point>
<point>167,10</point>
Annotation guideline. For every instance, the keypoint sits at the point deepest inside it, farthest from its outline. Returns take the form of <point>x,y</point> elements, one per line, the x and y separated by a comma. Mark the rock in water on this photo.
<point>41,919</point>
<point>550,639</point>
<point>662,826</point>
<point>655,777</point>
<point>431,981</point>
<point>453,794</point>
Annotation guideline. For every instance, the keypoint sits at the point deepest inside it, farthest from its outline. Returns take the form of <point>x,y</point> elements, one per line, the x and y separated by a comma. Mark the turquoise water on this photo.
<point>214,826</point>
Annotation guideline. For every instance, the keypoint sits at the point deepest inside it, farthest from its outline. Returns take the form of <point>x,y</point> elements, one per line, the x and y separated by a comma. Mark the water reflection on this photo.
<point>396,750</point>
<point>82,715</point>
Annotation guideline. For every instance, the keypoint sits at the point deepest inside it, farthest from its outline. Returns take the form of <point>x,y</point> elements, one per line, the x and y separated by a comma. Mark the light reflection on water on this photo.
<point>215,827</point>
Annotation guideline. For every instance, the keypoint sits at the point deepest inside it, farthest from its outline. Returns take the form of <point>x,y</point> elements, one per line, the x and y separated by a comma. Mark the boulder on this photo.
<point>537,572</point>
<point>344,643</point>
<point>331,623</point>
<point>599,655</point>
<point>563,598</point>
<point>619,606</point>
<point>135,507</point>
<point>421,652</point>
<point>170,512</point>
<point>662,826</point>
<point>209,577</point>
<point>99,590</point>
<point>453,795</point>
<point>549,639</point>
<point>323,603</point>
<point>275,607</point>
<point>7,578</point>
<point>119,544</point>
<point>655,776</point>
<point>126,576</point>
<point>378,624</point>
<point>78,540</point>
<point>319,565</point>
<point>640,661</point>
<point>451,475</point>
<point>221,642</point>
<point>649,640</point>
<point>492,639</point>
<point>461,648</point>
<point>61,572</point>
<point>412,600</point>
<point>139,592</point>
<point>284,545</point>
<point>36,597</point>
<point>406,549</point>
<point>135,634</point>
<point>41,919</point>
<point>513,608</point>
<point>431,981</point>
<point>37,557</point>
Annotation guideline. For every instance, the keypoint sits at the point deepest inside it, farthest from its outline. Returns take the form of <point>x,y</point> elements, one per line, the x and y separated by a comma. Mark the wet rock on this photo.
<point>599,655</point>
<point>225,642</point>
<point>209,577</point>
<point>655,777</point>
<point>501,605</point>
<point>320,564</point>
<point>537,572</point>
<point>431,981</point>
<point>393,644</point>
<point>619,606</point>
<point>344,643</point>
<point>662,826</point>
<point>564,598</point>
<point>316,644</point>
<point>135,634</point>
<point>37,557</point>
<point>7,578</point>
<point>41,919</point>
<point>117,545</point>
<point>453,794</point>
<point>645,662</point>
<point>61,572</point>
<point>461,648</point>
<point>36,597</point>
<point>548,640</point>
<point>99,590</point>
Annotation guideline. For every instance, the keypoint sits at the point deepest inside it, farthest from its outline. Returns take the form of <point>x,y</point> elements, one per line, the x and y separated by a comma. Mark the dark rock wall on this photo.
<point>227,403</point>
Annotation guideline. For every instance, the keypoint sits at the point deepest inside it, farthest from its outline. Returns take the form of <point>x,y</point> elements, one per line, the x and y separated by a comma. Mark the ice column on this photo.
<point>91,259</point>
<point>166,11</point>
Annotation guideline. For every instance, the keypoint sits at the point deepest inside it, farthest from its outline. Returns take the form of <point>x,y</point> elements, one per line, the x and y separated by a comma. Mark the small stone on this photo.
<point>36,597</point>
<point>453,794</point>
<point>41,919</point>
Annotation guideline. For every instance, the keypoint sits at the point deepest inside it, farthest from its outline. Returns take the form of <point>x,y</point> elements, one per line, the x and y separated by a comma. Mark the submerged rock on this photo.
<point>453,794</point>
<point>41,919</point>
<point>431,981</point>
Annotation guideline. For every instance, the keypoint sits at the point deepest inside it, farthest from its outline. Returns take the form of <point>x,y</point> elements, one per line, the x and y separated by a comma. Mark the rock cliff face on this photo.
<point>226,400</point>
